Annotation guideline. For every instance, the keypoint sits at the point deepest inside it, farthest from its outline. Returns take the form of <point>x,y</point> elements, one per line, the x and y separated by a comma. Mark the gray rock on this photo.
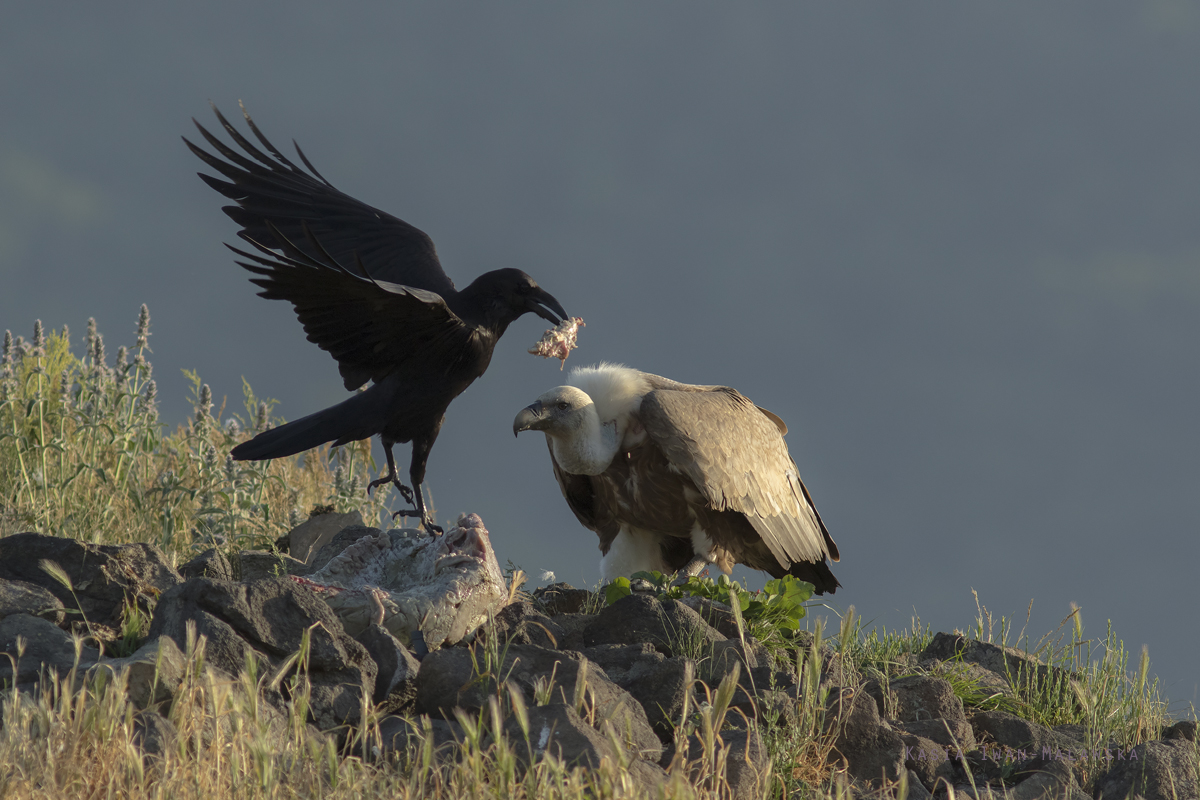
<point>405,735</point>
<point>396,683</point>
<point>152,674</point>
<point>1015,667</point>
<point>916,789</point>
<point>1052,781</point>
<point>1161,770</point>
<point>871,750</point>
<point>1184,729</point>
<point>307,538</point>
<point>47,649</point>
<point>745,757</point>
<point>103,576</point>
<point>928,760</point>
<point>727,654</point>
<point>257,565</point>
<point>212,563</point>
<point>154,734</point>
<point>457,677</point>
<point>21,597</point>
<point>522,623</point>
<point>659,684</point>
<point>1021,739</point>
<point>557,730</point>
<point>267,620</point>
<point>928,707</point>
<point>563,598</point>
<point>673,628</point>
<point>573,626</point>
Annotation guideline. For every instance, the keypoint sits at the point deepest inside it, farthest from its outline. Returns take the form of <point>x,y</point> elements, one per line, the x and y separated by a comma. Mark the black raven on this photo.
<point>369,290</point>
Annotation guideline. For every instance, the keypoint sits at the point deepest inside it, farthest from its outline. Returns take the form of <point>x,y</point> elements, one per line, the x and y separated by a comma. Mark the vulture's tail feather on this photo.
<point>818,574</point>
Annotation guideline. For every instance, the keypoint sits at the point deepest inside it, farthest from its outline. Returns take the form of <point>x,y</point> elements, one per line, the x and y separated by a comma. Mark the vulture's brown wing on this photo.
<point>736,456</point>
<point>372,328</point>
<point>589,498</point>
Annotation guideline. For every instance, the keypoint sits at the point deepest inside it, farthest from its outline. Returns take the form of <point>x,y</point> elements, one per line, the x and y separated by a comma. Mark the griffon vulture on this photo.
<point>674,477</point>
<point>369,290</point>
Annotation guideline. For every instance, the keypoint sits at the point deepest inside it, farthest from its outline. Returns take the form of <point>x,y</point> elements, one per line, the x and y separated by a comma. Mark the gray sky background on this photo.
<point>954,246</point>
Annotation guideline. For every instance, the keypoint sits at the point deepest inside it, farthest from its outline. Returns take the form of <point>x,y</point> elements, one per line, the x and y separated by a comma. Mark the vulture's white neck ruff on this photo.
<point>589,448</point>
<point>616,394</point>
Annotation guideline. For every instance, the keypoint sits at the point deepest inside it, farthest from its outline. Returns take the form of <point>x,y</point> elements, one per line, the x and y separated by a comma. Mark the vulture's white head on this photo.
<point>586,423</point>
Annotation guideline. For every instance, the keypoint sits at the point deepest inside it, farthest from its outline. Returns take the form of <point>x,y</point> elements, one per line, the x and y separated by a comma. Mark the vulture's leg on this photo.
<point>391,476</point>
<point>416,473</point>
<point>690,570</point>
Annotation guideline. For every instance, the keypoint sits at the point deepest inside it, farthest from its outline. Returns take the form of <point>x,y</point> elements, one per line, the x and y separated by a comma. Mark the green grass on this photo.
<point>83,454</point>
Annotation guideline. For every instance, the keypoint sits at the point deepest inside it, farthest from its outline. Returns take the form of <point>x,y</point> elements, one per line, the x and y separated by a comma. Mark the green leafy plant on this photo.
<point>780,604</point>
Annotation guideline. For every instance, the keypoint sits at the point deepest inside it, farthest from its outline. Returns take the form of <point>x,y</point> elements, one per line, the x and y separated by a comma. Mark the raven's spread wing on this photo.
<point>736,456</point>
<point>271,190</point>
<point>373,328</point>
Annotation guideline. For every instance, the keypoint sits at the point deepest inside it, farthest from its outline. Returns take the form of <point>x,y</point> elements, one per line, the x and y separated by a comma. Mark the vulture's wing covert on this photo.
<point>736,456</point>
<point>272,190</point>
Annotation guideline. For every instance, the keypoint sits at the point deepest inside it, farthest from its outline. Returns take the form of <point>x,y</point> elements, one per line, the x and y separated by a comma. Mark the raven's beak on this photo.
<point>530,418</point>
<point>545,306</point>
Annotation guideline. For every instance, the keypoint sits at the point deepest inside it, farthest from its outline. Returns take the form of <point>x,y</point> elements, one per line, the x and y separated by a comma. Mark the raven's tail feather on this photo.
<point>340,422</point>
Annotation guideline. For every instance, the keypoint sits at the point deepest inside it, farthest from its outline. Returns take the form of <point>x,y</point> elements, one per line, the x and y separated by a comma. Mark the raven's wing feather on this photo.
<point>271,190</point>
<point>372,328</point>
<point>736,456</point>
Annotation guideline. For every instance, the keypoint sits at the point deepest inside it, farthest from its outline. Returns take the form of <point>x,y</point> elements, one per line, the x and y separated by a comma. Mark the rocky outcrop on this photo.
<point>556,673</point>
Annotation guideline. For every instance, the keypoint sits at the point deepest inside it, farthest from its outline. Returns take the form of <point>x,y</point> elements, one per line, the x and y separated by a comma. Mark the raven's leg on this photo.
<point>391,476</point>
<point>416,473</point>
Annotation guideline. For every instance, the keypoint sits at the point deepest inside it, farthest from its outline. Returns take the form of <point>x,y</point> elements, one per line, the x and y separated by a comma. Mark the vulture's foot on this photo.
<point>690,570</point>
<point>393,479</point>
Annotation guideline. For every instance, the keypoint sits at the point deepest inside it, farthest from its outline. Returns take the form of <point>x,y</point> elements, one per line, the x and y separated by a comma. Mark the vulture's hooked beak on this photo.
<point>530,418</point>
<point>545,306</point>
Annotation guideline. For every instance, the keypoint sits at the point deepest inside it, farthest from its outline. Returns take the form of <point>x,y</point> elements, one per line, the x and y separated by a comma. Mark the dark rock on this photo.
<point>928,707</point>
<point>406,735</point>
<point>152,675</point>
<point>1018,669</point>
<point>21,597</point>
<point>459,677</point>
<point>916,789</point>
<point>211,563</point>
<point>396,683</point>
<point>1154,770</point>
<point>563,598</point>
<point>1026,740</point>
<point>153,733</point>
<point>556,729</point>
<point>522,623</point>
<point>47,649</point>
<point>673,628</point>
<point>1052,781</point>
<point>310,536</point>
<point>658,683</point>
<point>745,756</point>
<point>267,620</point>
<point>257,565</point>
<point>928,760</point>
<point>718,615</point>
<point>871,750</point>
<point>104,576</point>
<point>1184,729</point>
<point>573,626</point>
<point>725,654</point>
<point>884,697</point>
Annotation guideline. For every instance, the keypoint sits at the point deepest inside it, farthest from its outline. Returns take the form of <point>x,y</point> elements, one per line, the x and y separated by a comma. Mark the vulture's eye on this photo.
<point>562,405</point>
